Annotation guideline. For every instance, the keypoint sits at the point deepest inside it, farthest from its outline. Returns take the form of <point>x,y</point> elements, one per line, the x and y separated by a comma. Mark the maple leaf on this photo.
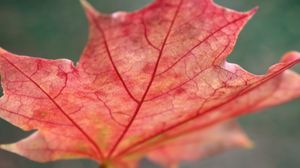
<point>153,82</point>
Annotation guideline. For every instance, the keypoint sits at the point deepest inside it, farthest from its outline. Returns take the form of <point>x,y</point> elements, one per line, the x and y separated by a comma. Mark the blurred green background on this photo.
<point>58,28</point>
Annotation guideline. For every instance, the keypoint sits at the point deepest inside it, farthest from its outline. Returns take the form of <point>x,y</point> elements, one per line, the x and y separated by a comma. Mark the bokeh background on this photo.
<point>58,28</point>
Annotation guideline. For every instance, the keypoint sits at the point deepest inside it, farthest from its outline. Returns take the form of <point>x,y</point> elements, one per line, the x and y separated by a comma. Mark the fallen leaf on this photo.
<point>145,81</point>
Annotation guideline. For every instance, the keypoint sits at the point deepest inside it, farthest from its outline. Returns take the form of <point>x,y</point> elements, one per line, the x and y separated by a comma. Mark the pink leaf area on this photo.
<point>152,83</point>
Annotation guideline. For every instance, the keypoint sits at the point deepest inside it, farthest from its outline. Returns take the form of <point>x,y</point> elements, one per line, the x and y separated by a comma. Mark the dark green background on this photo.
<point>58,28</point>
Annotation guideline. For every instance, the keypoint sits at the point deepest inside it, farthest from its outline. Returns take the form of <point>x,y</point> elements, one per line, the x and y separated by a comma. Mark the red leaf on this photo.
<point>146,80</point>
<point>201,144</point>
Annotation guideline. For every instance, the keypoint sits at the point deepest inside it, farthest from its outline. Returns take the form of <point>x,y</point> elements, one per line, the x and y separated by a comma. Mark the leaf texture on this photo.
<point>204,143</point>
<point>155,81</point>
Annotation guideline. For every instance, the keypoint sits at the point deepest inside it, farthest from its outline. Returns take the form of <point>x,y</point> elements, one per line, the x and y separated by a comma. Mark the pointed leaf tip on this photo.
<point>7,147</point>
<point>85,3</point>
<point>89,9</point>
<point>292,56</point>
<point>246,142</point>
<point>254,10</point>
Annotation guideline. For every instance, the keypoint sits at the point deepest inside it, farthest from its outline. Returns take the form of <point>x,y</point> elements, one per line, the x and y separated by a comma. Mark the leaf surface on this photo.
<point>145,80</point>
<point>200,144</point>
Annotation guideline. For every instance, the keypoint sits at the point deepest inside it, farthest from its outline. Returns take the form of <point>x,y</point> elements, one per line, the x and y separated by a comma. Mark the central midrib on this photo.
<point>148,86</point>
